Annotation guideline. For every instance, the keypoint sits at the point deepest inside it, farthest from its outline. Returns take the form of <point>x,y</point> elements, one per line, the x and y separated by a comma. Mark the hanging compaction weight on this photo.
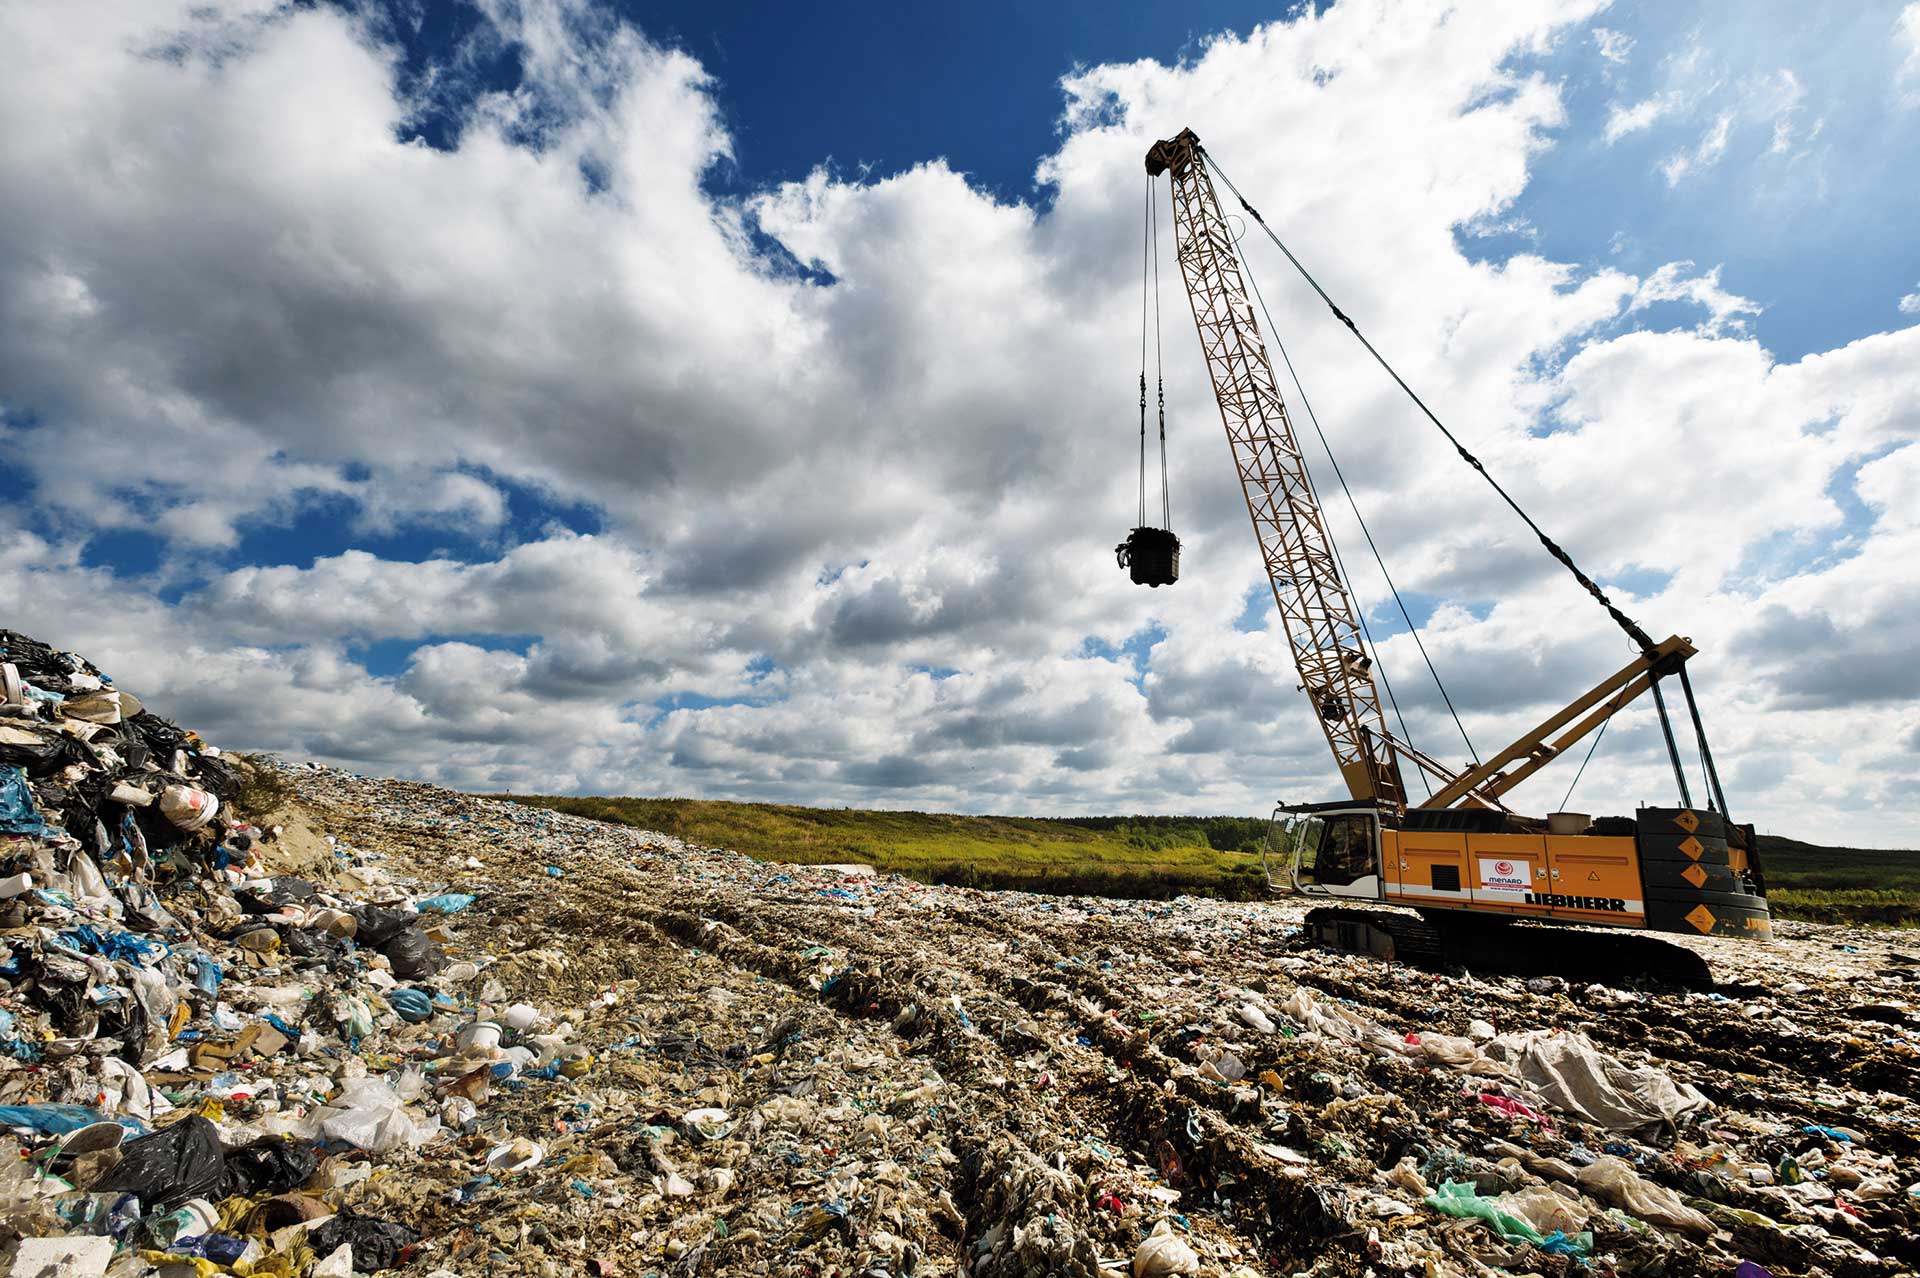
<point>1151,555</point>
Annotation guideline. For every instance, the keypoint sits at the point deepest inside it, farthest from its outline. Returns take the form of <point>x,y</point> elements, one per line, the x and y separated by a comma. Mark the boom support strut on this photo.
<point>1574,721</point>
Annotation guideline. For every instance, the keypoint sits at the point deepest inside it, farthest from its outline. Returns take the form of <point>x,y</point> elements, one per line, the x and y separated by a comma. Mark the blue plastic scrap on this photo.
<point>58,1120</point>
<point>206,975</point>
<point>413,1005</point>
<point>447,903</point>
<point>18,815</point>
<point>88,939</point>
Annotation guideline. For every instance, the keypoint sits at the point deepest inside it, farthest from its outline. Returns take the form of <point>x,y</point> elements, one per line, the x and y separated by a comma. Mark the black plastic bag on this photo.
<point>162,736</point>
<point>253,902</point>
<point>170,1166</point>
<point>377,1244</point>
<point>284,891</point>
<point>42,752</point>
<point>375,927</point>
<point>268,1166</point>
<point>311,943</point>
<point>414,955</point>
<point>216,775</point>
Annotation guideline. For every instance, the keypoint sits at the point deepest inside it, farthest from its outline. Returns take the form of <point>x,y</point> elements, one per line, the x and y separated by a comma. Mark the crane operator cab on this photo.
<point>1332,853</point>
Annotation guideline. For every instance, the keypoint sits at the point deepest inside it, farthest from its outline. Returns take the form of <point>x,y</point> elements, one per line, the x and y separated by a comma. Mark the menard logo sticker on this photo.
<point>1694,875</point>
<point>1701,917</point>
<point>1693,847</point>
<point>1687,821</point>
<point>1499,874</point>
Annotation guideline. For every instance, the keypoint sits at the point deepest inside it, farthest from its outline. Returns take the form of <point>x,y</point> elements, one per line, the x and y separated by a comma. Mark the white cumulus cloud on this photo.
<point>852,526</point>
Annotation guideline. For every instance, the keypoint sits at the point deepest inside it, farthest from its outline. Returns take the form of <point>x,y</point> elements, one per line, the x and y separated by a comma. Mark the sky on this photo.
<point>567,396</point>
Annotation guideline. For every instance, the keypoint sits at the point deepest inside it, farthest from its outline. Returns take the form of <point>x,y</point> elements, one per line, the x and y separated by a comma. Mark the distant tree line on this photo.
<point>1158,833</point>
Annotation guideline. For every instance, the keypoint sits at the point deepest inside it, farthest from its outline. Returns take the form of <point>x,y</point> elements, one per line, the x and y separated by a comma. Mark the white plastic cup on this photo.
<point>481,1036</point>
<point>521,1017</point>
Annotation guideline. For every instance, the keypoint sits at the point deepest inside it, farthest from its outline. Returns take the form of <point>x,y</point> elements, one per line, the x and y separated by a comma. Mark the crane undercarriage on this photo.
<point>1437,940</point>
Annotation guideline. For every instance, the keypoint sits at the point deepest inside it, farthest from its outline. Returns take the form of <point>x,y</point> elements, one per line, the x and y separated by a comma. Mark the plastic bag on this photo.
<point>375,926</point>
<point>414,955</point>
<point>412,1005</point>
<point>48,1120</point>
<point>268,1166</point>
<point>377,1244</point>
<point>281,892</point>
<point>171,1166</point>
<point>18,815</point>
<point>370,1115</point>
<point>1574,1075</point>
<point>1546,1211</point>
<point>447,903</point>
<point>1613,1180</point>
<point>1164,1252</point>
<point>1459,1198</point>
<point>299,942</point>
<point>39,752</point>
<point>356,1018</point>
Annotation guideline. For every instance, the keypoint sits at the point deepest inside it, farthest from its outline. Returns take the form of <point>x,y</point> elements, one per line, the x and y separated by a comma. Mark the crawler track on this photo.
<point>1440,941</point>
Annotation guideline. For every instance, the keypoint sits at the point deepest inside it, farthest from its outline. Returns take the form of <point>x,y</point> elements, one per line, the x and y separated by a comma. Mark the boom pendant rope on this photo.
<point>1700,734</point>
<point>1151,555</point>
<point>1146,244</point>
<point>1626,623</point>
<point>1159,360</point>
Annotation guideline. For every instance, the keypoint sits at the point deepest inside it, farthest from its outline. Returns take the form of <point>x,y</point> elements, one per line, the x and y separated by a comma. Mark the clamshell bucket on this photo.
<point>1151,556</point>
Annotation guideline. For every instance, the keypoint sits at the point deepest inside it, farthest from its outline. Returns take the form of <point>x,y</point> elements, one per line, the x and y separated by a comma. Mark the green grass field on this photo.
<point>1141,856</point>
<point>1841,885</point>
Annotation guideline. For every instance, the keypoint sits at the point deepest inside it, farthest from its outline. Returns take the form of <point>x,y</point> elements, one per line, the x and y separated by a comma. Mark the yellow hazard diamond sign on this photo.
<point>1694,875</point>
<point>1701,917</point>
<point>1693,847</point>
<point>1687,821</point>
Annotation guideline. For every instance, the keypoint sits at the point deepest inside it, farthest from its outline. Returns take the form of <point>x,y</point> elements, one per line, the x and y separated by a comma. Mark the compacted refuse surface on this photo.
<point>277,1019</point>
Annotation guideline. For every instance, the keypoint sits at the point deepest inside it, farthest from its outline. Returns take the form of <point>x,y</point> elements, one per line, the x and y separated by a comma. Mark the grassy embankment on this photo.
<point>1841,885</point>
<point>1142,856</point>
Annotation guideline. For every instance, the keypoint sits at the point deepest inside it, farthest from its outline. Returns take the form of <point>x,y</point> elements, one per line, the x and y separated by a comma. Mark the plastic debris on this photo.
<point>1164,1252</point>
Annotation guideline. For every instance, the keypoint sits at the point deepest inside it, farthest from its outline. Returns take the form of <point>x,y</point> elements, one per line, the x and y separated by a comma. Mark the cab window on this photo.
<point>1346,850</point>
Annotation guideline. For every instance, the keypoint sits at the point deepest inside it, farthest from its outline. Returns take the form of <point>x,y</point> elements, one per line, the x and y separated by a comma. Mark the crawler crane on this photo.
<point>1473,879</point>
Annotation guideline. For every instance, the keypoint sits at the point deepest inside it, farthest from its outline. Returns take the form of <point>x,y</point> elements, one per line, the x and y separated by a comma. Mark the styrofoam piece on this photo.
<point>62,1258</point>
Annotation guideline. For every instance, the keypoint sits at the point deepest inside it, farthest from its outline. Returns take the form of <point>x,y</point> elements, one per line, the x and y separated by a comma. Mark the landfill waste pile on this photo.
<point>272,1019</point>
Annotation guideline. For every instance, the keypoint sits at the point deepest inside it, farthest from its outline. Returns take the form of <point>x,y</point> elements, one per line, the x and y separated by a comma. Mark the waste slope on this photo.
<point>482,1038</point>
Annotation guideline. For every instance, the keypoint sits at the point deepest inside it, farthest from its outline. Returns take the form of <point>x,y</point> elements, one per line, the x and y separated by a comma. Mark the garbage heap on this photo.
<point>203,1055</point>
<point>456,1036</point>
